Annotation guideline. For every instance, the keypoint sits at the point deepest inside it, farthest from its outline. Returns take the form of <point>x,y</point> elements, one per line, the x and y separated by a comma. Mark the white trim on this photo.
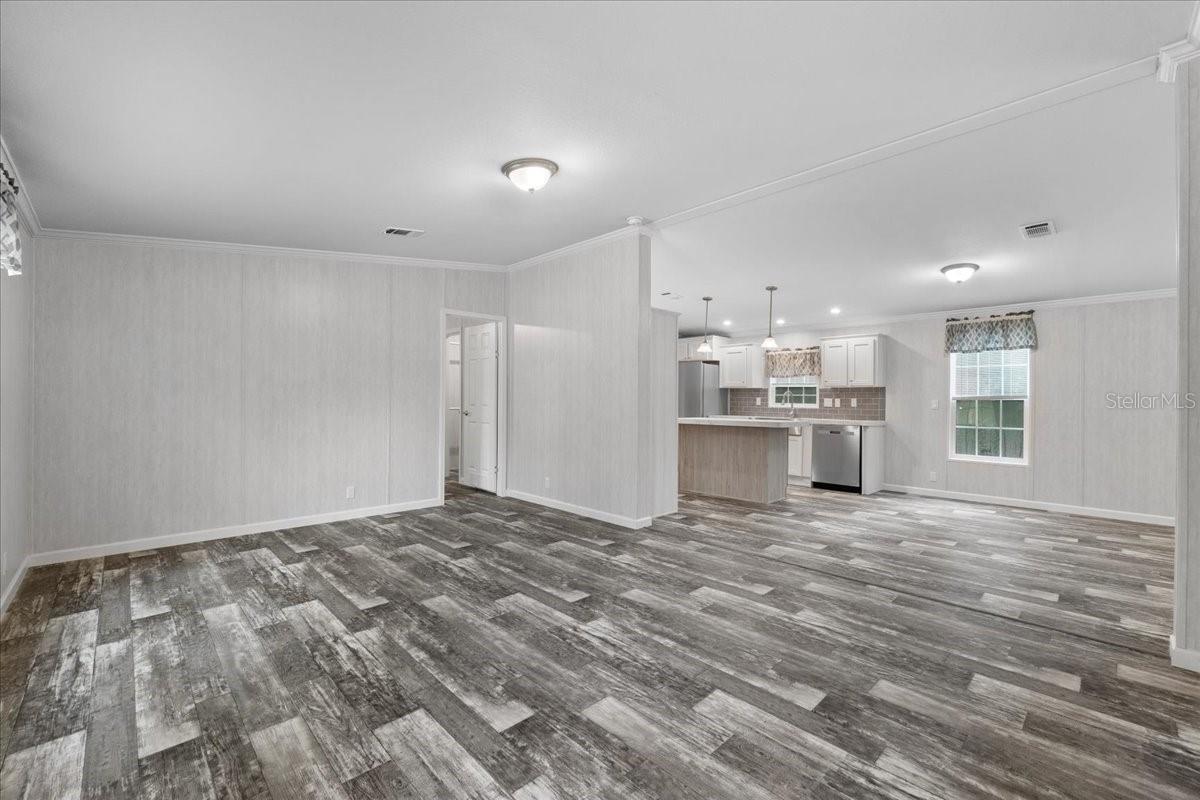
<point>266,250</point>
<point>10,591</point>
<point>1036,102</point>
<point>1036,505</point>
<point>1035,305</point>
<point>583,511</point>
<point>501,399</point>
<point>191,537</point>
<point>1184,659</point>
<point>1176,53</point>
<point>619,233</point>
<point>1171,57</point>
<point>24,204</point>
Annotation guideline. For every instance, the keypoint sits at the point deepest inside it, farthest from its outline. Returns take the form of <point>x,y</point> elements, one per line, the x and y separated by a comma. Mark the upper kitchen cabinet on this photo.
<point>686,348</point>
<point>852,361</point>
<point>742,367</point>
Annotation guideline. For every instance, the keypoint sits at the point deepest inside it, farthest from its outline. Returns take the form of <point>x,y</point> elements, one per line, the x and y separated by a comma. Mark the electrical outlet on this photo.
<point>349,492</point>
<point>854,402</point>
<point>932,476</point>
<point>758,401</point>
<point>546,482</point>
<point>933,404</point>
<point>829,402</point>
<point>837,402</point>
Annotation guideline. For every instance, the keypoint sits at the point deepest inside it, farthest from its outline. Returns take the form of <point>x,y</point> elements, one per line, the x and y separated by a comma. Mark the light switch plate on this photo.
<point>933,404</point>
<point>758,401</point>
<point>854,402</point>
<point>837,402</point>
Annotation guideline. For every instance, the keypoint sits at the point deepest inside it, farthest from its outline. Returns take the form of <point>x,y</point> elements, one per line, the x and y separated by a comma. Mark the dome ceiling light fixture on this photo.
<point>529,174</point>
<point>957,273</point>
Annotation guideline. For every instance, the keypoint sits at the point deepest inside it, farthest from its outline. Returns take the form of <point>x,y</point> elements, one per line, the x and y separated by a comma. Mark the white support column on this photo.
<point>1185,643</point>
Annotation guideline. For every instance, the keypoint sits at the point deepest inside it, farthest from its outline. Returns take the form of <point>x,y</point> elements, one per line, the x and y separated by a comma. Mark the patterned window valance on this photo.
<point>10,228</point>
<point>794,363</point>
<point>1002,332</point>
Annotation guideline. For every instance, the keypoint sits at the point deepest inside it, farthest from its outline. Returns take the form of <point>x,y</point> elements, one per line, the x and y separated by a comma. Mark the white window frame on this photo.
<point>952,414</point>
<point>813,381</point>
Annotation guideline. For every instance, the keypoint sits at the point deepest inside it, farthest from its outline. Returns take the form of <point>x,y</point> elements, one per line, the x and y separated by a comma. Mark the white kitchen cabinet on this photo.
<point>800,452</point>
<point>852,361</point>
<point>686,349</point>
<point>742,367</point>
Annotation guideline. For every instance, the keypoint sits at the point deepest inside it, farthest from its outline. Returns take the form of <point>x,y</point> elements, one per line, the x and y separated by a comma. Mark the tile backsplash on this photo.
<point>871,404</point>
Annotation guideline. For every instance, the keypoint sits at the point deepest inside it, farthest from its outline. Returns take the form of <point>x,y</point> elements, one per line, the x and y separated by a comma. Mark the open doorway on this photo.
<point>473,389</point>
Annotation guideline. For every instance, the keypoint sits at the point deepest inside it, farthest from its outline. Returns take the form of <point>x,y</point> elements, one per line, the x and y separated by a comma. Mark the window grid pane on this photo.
<point>986,426</point>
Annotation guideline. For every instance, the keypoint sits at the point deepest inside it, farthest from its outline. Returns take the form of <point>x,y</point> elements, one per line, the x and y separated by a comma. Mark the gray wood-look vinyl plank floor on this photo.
<point>828,646</point>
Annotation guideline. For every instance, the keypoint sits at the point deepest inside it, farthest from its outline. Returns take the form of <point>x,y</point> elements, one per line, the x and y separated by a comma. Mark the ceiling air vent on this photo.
<point>408,233</point>
<point>1037,230</point>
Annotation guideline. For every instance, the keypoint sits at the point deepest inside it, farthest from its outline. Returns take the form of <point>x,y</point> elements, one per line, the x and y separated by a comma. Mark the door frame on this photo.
<point>501,398</point>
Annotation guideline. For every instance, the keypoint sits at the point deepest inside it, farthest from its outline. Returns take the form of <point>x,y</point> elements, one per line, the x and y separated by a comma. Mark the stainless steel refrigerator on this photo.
<point>700,392</point>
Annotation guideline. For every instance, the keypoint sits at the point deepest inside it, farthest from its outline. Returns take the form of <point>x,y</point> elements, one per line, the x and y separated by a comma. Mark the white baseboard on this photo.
<point>11,589</point>
<point>1037,505</point>
<point>190,537</point>
<point>1184,659</point>
<point>583,511</point>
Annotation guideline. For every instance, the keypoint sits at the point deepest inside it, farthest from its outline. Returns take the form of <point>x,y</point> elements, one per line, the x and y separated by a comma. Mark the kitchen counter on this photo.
<point>737,422</point>
<point>783,422</point>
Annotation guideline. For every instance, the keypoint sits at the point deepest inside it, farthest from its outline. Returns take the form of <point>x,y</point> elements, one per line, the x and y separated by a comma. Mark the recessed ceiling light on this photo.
<point>727,323</point>
<point>957,273</point>
<point>835,310</point>
<point>529,174</point>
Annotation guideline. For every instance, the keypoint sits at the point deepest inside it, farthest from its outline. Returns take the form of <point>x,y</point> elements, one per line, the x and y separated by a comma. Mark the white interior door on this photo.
<point>453,400</point>
<point>480,367</point>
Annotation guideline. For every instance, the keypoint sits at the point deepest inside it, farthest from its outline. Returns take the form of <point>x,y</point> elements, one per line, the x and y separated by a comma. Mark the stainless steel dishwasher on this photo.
<point>837,457</point>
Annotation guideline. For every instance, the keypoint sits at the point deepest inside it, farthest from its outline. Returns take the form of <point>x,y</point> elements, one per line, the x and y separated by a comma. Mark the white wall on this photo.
<point>578,324</point>
<point>1081,453</point>
<point>16,417</point>
<point>181,389</point>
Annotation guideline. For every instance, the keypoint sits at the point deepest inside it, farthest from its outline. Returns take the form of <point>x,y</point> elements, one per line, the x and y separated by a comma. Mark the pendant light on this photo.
<point>769,343</point>
<point>705,348</point>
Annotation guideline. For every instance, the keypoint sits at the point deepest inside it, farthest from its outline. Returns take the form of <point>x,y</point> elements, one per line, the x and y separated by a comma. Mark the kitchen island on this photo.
<point>742,458</point>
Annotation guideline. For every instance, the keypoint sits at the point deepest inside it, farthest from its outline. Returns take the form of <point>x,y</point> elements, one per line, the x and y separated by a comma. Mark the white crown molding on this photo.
<point>24,204</point>
<point>1036,102</point>
<point>1036,305</point>
<point>619,233</point>
<point>266,250</point>
<point>1173,55</point>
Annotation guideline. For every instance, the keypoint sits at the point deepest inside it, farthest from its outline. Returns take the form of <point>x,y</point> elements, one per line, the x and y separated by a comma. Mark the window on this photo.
<point>800,392</point>
<point>990,397</point>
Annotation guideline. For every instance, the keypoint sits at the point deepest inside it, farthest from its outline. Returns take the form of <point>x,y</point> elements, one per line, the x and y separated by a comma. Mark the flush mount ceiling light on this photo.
<point>957,273</point>
<point>727,323</point>
<point>529,174</point>
<point>835,311</point>
<point>705,347</point>
<point>769,343</point>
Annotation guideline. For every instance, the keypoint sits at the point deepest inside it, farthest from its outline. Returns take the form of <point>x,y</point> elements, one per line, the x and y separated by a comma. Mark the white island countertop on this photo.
<point>775,422</point>
<point>737,422</point>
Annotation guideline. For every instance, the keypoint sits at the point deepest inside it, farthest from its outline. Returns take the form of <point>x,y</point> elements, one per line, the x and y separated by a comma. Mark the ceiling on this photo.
<point>316,125</point>
<point>872,240</point>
